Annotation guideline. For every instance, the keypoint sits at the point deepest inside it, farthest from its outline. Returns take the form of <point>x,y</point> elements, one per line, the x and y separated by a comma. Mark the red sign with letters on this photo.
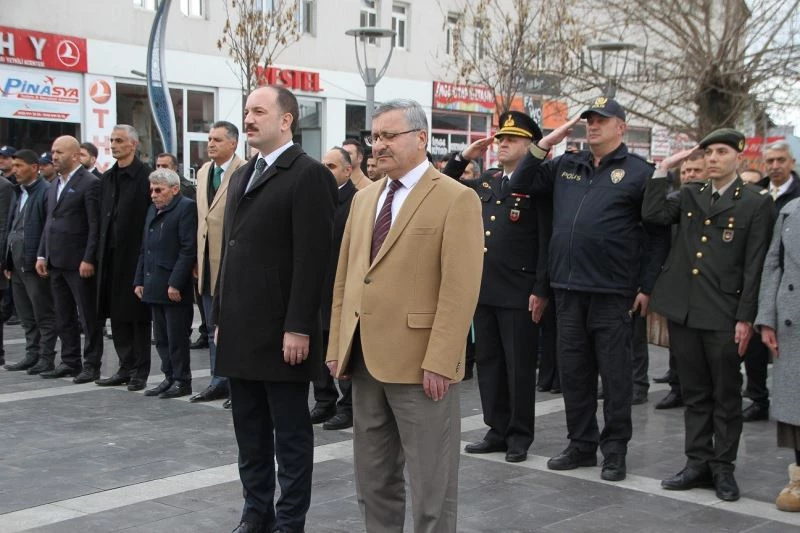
<point>298,80</point>
<point>28,48</point>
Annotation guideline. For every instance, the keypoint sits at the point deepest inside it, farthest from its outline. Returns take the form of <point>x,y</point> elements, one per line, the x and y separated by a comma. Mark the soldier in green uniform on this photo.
<point>708,291</point>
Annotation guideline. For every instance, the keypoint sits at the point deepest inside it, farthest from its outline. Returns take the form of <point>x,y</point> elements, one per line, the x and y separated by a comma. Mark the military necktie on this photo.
<point>384,221</point>
<point>714,198</point>
<point>504,185</point>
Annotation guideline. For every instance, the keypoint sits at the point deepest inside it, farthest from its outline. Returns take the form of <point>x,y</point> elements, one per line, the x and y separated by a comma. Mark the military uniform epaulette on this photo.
<point>648,161</point>
<point>752,188</point>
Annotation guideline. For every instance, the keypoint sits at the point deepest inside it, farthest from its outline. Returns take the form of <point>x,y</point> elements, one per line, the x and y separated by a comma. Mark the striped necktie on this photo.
<point>384,221</point>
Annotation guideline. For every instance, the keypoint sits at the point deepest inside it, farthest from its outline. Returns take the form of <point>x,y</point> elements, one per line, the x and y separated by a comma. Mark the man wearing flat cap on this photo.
<point>514,284</point>
<point>603,262</point>
<point>708,291</point>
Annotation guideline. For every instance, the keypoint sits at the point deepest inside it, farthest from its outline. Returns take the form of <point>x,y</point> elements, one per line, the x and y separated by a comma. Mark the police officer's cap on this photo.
<point>46,158</point>
<point>7,151</point>
<point>728,136</point>
<point>606,107</point>
<point>518,124</point>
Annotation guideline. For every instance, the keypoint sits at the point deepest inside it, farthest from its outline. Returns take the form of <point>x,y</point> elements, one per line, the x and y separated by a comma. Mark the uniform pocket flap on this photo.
<point>421,320</point>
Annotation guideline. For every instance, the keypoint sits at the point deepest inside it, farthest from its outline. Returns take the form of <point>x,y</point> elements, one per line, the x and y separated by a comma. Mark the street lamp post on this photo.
<point>370,75</point>
<point>610,59</point>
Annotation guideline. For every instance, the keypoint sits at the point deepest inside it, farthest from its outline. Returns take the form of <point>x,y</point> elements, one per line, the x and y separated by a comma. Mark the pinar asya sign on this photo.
<point>28,48</point>
<point>40,94</point>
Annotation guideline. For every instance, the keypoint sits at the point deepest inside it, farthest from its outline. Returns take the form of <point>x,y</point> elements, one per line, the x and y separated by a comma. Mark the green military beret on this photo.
<point>731,137</point>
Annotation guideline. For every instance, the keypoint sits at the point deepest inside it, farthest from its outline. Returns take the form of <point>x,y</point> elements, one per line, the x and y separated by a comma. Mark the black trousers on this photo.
<point>711,382</point>
<point>75,299</point>
<point>198,299</point>
<point>674,378</point>
<point>325,393</point>
<point>506,343</point>
<point>272,421</point>
<point>594,336</point>
<point>548,359</point>
<point>35,310</point>
<point>756,360</point>
<point>641,355</point>
<point>132,343</point>
<point>172,325</point>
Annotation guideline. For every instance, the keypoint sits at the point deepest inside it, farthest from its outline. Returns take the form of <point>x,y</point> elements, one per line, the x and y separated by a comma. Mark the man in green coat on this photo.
<point>708,291</point>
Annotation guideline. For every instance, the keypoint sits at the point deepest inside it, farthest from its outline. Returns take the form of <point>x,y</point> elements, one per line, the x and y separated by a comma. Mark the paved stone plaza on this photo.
<point>81,458</point>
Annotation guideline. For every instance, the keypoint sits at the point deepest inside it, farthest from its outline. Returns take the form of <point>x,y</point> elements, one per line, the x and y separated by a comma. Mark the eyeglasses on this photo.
<point>386,136</point>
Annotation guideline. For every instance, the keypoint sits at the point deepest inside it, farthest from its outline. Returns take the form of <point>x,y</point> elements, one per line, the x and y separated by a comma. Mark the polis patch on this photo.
<point>616,175</point>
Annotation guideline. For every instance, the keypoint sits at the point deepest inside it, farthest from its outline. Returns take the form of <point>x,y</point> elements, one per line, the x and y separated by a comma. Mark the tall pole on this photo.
<point>369,83</point>
<point>370,75</point>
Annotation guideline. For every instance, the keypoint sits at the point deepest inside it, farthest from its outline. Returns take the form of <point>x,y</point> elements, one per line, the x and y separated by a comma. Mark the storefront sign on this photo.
<point>40,95</point>
<point>28,48</point>
<point>298,80</point>
<point>100,116</point>
<point>456,97</point>
<point>445,143</point>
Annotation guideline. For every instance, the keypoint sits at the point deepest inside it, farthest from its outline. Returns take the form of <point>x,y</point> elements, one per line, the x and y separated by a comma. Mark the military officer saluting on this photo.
<point>514,288</point>
<point>708,291</point>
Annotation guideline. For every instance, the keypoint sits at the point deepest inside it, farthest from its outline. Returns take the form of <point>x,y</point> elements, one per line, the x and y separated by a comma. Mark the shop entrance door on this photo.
<point>195,153</point>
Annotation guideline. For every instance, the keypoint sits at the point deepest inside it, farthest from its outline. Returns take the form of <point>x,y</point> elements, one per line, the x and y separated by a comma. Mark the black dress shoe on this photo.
<point>663,379</point>
<point>158,389</point>
<point>42,365</point>
<point>113,381</point>
<point>252,527</point>
<point>555,390</point>
<point>178,389</point>
<point>670,401</point>
<point>639,398</point>
<point>516,456</point>
<point>28,362</point>
<point>61,371</point>
<point>726,487</point>
<point>321,414</point>
<point>226,404</point>
<point>756,411</point>
<point>486,446</point>
<point>210,393</point>
<point>614,468</point>
<point>199,344</point>
<point>87,374</point>
<point>339,421</point>
<point>689,478</point>
<point>543,388</point>
<point>13,320</point>
<point>572,458</point>
<point>137,384</point>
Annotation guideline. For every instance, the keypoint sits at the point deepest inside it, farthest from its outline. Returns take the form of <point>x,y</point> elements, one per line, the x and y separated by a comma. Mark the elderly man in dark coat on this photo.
<point>124,201</point>
<point>164,278</point>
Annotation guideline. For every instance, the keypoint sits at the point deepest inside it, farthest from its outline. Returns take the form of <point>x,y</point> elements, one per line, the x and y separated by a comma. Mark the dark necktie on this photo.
<point>261,164</point>
<point>714,198</point>
<point>504,185</point>
<point>384,221</point>
<point>217,181</point>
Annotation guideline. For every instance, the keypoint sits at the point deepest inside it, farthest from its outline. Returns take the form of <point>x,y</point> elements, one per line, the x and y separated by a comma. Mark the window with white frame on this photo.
<point>400,25</point>
<point>194,8</point>
<point>479,39</point>
<point>307,16</point>
<point>369,17</point>
<point>150,5</point>
<point>451,34</point>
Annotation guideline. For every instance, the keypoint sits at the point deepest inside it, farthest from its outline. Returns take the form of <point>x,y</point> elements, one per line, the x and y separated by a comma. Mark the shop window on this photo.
<point>355,115</point>
<point>194,8</point>
<point>369,17</point>
<point>450,121</point>
<point>199,111</point>
<point>133,108</point>
<point>150,5</point>
<point>400,26</point>
<point>479,123</point>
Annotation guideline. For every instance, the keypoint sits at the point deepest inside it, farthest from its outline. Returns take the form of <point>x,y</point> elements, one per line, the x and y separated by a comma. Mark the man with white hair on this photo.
<point>124,201</point>
<point>164,278</point>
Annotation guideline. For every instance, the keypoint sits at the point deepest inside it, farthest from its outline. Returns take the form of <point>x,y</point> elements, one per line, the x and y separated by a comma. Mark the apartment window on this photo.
<point>265,5</point>
<point>193,8</point>
<point>479,40</point>
<point>369,17</point>
<point>150,5</point>
<point>451,34</point>
<point>400,26</point>
<point>307,16</point>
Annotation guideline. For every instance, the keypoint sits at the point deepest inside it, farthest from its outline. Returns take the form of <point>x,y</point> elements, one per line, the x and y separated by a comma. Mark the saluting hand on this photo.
<point>558,134</point>
<point>477,148</point>
<point>676,159</point>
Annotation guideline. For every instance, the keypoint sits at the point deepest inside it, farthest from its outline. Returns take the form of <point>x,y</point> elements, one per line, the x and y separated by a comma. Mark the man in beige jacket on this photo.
<point>212,188</point>
<point>406,287</point>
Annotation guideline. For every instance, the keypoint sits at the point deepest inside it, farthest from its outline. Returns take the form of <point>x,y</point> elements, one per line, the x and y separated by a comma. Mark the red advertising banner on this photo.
<point>454,97</point>
<point>753,153</point>
<point>28,48</point>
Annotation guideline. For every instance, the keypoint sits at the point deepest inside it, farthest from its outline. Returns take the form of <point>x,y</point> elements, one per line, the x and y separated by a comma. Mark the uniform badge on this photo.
<point>485,185</point>
<point>727,235</point>
<point>513,215</point>
<point>617,175</point>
